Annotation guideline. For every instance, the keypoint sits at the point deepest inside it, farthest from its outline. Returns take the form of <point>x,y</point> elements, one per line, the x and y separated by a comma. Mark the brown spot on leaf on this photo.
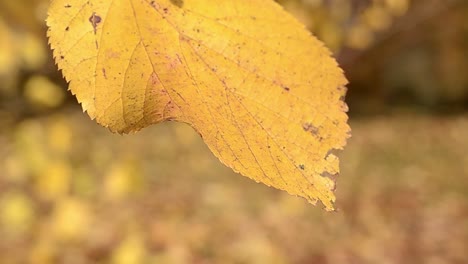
<point>309,127</point>
<point>94,19</point>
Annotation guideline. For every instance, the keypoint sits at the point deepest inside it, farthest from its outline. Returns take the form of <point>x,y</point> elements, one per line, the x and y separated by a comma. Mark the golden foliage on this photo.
<point>28,78</point>
<point>43,93</point>
<point>405,192</point>
<point>240,78</point>
<point>348,24</point>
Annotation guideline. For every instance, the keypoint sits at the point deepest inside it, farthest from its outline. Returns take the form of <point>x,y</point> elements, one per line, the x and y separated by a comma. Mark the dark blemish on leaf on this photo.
<point>67,28</point>
<point>62,57</point>
<point>104,72</point>
<point>309,127</point>
<point>178,3</point>
<point>165,10</point>
<point>95,20</point>
<point>286,88</point>
<point>301,166</point>
<point>68,6</point>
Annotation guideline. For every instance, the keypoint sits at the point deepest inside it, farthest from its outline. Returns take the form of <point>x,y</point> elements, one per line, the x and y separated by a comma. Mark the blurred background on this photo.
<point>72,192</point>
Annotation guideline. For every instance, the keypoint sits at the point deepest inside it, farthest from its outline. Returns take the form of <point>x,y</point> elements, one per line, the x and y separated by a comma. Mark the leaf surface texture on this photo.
<point>264,94</point>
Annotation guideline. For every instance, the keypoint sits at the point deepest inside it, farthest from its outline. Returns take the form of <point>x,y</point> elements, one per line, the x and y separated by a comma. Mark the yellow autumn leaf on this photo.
<point>264,94</point>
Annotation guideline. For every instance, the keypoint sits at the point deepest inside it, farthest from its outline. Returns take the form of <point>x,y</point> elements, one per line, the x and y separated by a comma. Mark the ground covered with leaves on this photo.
<point>71,192</point>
